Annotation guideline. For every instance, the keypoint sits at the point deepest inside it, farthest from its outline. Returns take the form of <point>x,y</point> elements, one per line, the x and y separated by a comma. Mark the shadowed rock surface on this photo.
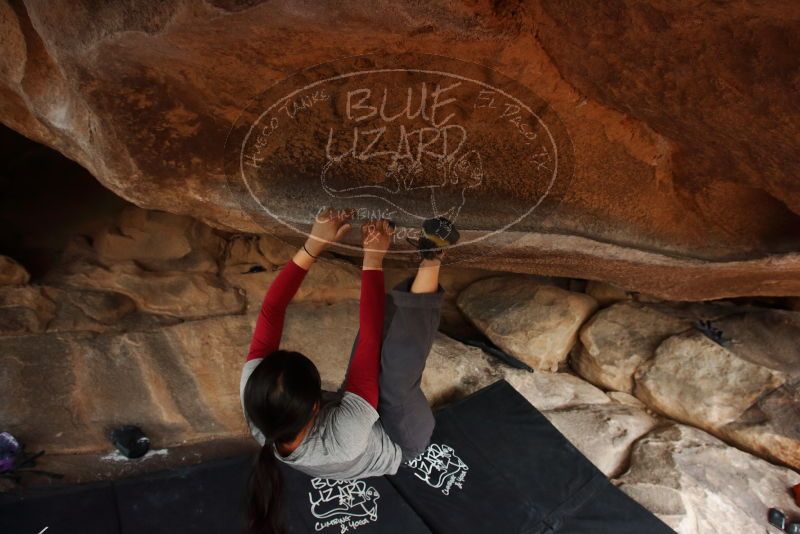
<point>12,273</point>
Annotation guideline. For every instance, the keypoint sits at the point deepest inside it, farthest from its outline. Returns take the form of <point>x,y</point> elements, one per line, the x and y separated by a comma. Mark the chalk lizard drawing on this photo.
<point>405,179</point>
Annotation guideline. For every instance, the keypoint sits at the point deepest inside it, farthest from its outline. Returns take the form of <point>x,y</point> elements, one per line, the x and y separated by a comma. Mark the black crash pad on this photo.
<point>494,465</point>
<point>89,508</point>
<point>206,498</point>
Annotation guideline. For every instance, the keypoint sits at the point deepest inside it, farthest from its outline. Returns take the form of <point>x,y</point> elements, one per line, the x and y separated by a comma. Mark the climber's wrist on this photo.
<point>315,246</point>
<point>372,261</point>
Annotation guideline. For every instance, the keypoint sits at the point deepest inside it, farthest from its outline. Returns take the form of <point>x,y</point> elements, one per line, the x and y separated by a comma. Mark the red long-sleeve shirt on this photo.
<point>365,367</point>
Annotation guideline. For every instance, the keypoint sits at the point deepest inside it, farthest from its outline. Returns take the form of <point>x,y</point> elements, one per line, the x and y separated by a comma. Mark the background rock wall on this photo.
<point>147,320</point>
<point>683,119</point>
<point>119,315</point>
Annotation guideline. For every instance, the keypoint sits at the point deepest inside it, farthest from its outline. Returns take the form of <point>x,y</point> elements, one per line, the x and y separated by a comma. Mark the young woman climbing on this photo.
<point>379,417</point>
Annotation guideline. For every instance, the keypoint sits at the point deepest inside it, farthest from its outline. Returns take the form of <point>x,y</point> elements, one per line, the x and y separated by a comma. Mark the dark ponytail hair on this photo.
<point>279,398</point>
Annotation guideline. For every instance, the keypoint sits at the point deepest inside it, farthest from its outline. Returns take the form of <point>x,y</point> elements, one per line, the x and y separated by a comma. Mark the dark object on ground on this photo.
<point>494,464</point>
<point>10,452</point>
<point>796,491</point>
<point>778,519</point>
<point>711,332</point>
<point>493,350</point>
<point>14,462</point>
<point>130,441</point>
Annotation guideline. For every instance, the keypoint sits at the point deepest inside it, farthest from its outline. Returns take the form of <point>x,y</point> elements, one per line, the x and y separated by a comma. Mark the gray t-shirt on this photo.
<point>346,441</point>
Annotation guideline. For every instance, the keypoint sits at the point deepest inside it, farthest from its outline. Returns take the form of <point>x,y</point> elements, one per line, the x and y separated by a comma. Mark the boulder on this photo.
<point>603,432</point>
<point>666,190</point>
<point>606,294</point>
<point>159,241</point>
<point>534,322</point>
<point>770,338</point>
<point>178,294</point>
<point>696,381</point>
<point>262,250</point>
<point>96,311</point>
<point>24,310</point>
<point>699,485</point>
<point>626,399</point>
<point>36,309</point>
<point>770,427</point>
<point>104,307</point>
<point>455,370</point>
<point>551,391</point>
<point>617,339</point>
<point>12,273</point>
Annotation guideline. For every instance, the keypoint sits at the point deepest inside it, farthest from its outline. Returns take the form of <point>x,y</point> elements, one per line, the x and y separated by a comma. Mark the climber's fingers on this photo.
<point>342,231</point>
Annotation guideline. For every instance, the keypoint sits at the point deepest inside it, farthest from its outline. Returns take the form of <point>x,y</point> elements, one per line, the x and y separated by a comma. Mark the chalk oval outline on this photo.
<point>397,70</point>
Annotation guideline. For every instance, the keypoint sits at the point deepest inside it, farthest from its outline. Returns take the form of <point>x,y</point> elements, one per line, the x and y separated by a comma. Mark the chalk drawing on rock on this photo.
<point>407,137</point>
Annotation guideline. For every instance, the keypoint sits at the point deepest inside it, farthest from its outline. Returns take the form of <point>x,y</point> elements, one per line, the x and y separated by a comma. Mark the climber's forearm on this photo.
<point>269,325</point>
<point>364,373</point>
<point>329,227</point>
<point>303,257</point>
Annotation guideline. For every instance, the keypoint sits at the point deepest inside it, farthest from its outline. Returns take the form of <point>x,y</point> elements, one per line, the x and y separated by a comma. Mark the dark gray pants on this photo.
<point>409,328</point>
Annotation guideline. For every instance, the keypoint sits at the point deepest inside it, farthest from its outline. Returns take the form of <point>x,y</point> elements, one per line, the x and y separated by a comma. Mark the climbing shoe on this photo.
<point>130,441</point>
<point>437,234</point>
<point>777,518</point>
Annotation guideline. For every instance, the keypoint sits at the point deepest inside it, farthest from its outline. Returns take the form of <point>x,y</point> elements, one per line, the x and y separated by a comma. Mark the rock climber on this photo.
<point>379,417</point>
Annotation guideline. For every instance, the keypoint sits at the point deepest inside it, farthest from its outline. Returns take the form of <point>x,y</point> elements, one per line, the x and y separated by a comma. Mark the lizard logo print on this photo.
<point>439,467</point>
<point>346,504</point>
